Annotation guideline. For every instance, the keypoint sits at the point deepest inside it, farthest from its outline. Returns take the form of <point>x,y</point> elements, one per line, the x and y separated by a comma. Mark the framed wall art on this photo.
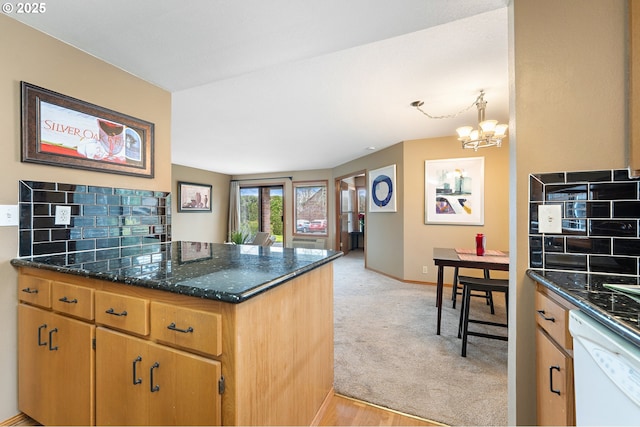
<point>454,191</point>
<point>58,130</point>
<point>194,197</point>
<point>382,189</point>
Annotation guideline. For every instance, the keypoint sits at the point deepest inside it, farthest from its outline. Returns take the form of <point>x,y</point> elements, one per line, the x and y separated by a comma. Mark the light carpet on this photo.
<point>387,351</point>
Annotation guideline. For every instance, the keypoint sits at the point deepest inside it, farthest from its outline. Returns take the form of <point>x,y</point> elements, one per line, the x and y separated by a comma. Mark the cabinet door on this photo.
<point>142,383</point>
<point>554,389</point>
<point>56,365</point>
<point>34,389</point>
<point>184,388</point>
<point>122,381</point>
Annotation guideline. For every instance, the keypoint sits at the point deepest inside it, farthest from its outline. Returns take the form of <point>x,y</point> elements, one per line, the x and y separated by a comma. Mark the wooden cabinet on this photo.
<point>156,384</point>
<point>122,312</point>
<point>55,367</point>
<point>186,328</point>
<point>554,360</point>
<point>163,358</point>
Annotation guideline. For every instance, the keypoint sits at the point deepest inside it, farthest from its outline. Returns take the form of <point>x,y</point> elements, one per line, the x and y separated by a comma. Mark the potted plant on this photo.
<point>238,237</point>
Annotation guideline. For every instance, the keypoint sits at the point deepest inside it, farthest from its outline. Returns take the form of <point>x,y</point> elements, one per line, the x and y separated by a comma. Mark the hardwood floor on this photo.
<point>341,411</point>
<point>345,411</point>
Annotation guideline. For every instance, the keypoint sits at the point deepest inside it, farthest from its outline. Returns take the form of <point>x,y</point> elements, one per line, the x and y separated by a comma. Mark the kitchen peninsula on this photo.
<point>176,333</point>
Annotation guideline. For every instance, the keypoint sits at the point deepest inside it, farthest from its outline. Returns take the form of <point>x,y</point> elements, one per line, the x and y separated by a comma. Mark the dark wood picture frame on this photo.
<point>194,197</point>
<point>59,130</point>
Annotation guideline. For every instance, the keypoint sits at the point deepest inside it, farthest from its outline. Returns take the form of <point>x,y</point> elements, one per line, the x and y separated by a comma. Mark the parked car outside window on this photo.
<point>303,226</point>
<point>318,226</point>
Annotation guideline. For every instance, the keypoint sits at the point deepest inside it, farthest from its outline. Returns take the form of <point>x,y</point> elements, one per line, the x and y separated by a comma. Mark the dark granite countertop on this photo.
<point>230,273</point>
<point>613,309</point>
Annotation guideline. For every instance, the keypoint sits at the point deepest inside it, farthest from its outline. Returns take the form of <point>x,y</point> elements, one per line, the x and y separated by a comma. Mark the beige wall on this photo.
<point>568,99</point>
<point>399,244</point>
<point>200,226</point>
<point>384,231</point>
<point>36,58</point>
<point>421,238</point>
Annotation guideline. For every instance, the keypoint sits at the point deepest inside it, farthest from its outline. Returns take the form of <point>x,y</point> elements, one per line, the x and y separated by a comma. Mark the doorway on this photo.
<point>351,197</point>
<point>262,209</point>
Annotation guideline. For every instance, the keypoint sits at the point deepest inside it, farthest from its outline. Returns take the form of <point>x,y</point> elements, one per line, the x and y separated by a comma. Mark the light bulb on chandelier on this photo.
<point>489,133</point>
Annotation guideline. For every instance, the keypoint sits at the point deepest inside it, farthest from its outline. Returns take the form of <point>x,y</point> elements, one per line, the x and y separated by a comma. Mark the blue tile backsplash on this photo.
<point>101,218</point>
<point>600,222</point>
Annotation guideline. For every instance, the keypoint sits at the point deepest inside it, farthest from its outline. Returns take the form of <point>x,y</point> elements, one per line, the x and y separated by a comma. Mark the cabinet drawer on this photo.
<point>187,328</point>
<point>123,312</point>
<point>73,300</point>
<point>34,290</point>
<point>554,319</point>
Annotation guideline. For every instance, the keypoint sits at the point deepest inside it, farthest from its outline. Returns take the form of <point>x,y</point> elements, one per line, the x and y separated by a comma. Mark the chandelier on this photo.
<point>488,134</point>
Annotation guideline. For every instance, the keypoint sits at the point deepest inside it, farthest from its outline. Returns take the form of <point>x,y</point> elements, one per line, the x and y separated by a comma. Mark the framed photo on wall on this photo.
<point>382,189</point>
<point>454,191</point>
<point>194,197</point>
<point>58,130</point>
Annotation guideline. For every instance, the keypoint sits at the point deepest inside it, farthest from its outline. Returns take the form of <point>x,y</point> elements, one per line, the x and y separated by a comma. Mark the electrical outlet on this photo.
<point>550,219</point>
<point>63,215</point>
<point>8,215</point>
<point>424,269</point>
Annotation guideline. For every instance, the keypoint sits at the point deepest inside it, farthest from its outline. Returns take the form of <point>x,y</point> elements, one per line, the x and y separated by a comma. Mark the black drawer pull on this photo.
<point>51,348</point>
<point>113,312</point>
<point>156,387</point>
<point>40,328</point>
<point>136,380</point>
<point>551,369</point>
<point>30,291</point>
<point>68,301</point>
<point>173,327</point>
<point>543,314</point>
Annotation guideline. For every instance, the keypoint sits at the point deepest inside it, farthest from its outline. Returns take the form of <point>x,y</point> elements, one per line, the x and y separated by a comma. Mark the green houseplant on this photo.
<point>238,237</point>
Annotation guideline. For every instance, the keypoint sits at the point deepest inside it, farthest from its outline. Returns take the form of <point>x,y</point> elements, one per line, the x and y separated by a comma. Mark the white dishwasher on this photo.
<point>606,374</point>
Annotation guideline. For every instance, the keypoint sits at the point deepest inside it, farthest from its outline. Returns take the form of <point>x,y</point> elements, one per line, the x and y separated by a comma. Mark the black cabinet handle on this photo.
<point>156,387</point>
<point>30,291</point>
<point>551,369</point>
<point>136,381</point>
<point>40,328</point>
<point>543,314</point>
<point>51,332</point>
<point>113,312</point>
<point>173,327</point>
<point>68,301</point>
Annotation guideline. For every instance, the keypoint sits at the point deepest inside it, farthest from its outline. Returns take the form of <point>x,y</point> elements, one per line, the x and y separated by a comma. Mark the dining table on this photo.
<point>465,258</point>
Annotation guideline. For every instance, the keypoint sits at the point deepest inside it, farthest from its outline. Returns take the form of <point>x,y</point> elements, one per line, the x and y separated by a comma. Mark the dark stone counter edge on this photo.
<point>589,309</point>
<point>162,285</point>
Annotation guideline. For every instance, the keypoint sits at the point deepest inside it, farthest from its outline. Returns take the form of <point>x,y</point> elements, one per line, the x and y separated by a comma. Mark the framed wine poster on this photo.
<point>58,130</point>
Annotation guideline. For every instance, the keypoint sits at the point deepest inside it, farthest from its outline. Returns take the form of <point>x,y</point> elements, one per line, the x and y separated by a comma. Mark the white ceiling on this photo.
<point>281,85</point>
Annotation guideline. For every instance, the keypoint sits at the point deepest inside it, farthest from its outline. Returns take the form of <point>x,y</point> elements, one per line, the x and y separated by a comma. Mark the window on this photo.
<point>261,209</point>
<point>310,212</point>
